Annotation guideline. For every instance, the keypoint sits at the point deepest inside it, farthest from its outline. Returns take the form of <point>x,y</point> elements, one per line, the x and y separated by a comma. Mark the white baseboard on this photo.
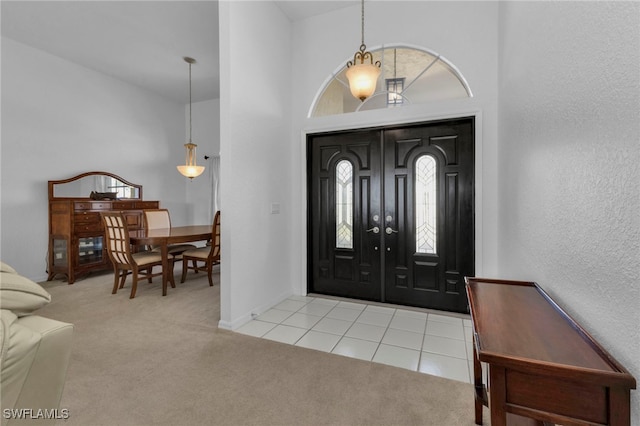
<point>242,320</point>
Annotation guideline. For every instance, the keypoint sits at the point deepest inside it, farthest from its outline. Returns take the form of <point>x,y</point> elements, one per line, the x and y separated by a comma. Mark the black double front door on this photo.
<point>391,213</point>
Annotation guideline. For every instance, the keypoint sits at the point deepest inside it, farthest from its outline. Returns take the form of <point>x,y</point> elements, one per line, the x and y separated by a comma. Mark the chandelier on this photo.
<point>190,169</point>
<point>362,72</point>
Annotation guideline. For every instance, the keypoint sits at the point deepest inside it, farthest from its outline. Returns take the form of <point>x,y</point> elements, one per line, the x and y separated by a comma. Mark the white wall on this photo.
<point>255,126</point>
<point>205,134</point>
<point>569,155</point>
<point>59,120</point>
<point>466,33</point>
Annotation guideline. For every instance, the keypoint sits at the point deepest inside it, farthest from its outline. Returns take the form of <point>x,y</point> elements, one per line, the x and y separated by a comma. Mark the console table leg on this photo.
<point>619,406</point>
<point>497,396</point>
<point>479,386</point>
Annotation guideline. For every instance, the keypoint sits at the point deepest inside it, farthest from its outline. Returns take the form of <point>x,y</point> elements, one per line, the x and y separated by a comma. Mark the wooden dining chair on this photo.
<point>140,264</point>
<point>210,254</point>
<point>158,219</point>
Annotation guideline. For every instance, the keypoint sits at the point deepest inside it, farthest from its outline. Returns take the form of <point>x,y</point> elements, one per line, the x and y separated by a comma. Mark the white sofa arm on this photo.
<point>34,353</point>
<point>45,382</point>
<point>34,369</point>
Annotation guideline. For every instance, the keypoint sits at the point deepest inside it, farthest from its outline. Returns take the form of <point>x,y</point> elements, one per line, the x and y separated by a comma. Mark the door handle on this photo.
<point>375,230</point>
<point>390,231</point>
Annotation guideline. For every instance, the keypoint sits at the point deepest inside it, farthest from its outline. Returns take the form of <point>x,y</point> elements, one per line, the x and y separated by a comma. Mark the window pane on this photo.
<point>427,77</point>
<point>344,205</point>
<point>395,86</point>
<point>426,205</point>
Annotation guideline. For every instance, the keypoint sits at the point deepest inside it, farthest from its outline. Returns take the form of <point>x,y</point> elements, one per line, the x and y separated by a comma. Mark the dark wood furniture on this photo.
<point>543,367</point>
<point>76,232</point>
<point>165,237</point>
<point>210,254</point>
<point>125,261</point>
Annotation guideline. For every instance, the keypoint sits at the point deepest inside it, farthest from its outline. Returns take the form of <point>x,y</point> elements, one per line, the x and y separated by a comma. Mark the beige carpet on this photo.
<point>160,360</point>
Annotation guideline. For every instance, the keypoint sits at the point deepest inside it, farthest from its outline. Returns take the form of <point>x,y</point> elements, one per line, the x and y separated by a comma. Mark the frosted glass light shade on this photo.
<point>190,169</point>
<point>362,80</point>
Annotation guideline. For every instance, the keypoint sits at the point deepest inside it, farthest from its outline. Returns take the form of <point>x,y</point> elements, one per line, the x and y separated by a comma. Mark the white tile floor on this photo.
<point>439,344</point>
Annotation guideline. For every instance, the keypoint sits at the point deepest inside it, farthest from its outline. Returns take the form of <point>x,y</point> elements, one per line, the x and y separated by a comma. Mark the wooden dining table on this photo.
<point>163,237</point>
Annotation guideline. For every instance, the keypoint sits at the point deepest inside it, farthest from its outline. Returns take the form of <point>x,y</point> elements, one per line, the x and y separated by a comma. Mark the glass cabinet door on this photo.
<point>59,252</point>
<point>89,250</point>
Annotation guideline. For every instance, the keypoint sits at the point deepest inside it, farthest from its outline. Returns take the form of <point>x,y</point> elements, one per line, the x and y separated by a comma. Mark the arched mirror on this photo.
<point>97,185</point>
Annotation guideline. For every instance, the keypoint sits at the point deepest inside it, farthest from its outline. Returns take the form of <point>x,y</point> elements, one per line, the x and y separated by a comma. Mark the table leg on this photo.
<point>477,381</point>
<point>165,267</point>
<point>497,395</point>
<point>619,406</point>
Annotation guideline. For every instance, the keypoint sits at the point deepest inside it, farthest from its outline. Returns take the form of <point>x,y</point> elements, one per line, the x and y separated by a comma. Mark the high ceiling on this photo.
<point>140,42</point>
<point>136,41</point>
<point>302,9</point>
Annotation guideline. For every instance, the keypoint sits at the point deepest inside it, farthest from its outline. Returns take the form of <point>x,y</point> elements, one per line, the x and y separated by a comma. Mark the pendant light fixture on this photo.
<point>190,169</point>
<point>362,75</point>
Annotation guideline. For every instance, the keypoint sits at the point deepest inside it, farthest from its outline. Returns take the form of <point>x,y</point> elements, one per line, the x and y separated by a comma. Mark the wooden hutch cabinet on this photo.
<point>76,233</point>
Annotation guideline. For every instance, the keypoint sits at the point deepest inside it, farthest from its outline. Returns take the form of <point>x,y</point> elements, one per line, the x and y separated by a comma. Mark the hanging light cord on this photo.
<point>189,102</point>
<point>394,65</point>
<point>362,22</point>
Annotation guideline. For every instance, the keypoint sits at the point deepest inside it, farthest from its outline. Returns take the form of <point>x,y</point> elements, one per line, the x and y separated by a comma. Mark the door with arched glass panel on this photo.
<point>428,203</point>
<point>344,190</point>
<point>391,214</point>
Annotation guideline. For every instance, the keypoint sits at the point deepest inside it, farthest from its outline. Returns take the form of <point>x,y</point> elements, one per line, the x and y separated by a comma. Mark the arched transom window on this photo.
<point>409,76</point>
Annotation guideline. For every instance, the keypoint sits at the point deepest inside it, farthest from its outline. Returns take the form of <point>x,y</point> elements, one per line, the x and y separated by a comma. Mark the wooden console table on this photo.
<point>543,367</point>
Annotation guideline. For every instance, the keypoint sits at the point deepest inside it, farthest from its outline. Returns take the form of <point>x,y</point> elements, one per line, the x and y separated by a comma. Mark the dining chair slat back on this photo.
<point>125,262</point>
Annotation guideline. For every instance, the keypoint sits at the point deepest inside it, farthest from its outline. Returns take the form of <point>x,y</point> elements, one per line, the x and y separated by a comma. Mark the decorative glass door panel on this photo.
<point>344,205</point>
<point>426,204</point>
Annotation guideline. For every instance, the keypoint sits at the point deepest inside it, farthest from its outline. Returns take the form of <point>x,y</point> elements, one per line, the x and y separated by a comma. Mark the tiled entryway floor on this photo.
<point>439,343</point>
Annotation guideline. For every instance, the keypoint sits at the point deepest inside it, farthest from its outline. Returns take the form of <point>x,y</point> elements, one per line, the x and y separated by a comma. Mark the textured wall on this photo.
<point>569,147</point>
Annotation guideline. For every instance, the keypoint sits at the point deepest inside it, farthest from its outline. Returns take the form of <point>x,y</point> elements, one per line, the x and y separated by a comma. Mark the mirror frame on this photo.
<point>52,184</point>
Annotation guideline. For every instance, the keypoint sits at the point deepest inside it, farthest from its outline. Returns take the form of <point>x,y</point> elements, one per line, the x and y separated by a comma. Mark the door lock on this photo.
<point>390,231</point>
<point>375,230</point>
